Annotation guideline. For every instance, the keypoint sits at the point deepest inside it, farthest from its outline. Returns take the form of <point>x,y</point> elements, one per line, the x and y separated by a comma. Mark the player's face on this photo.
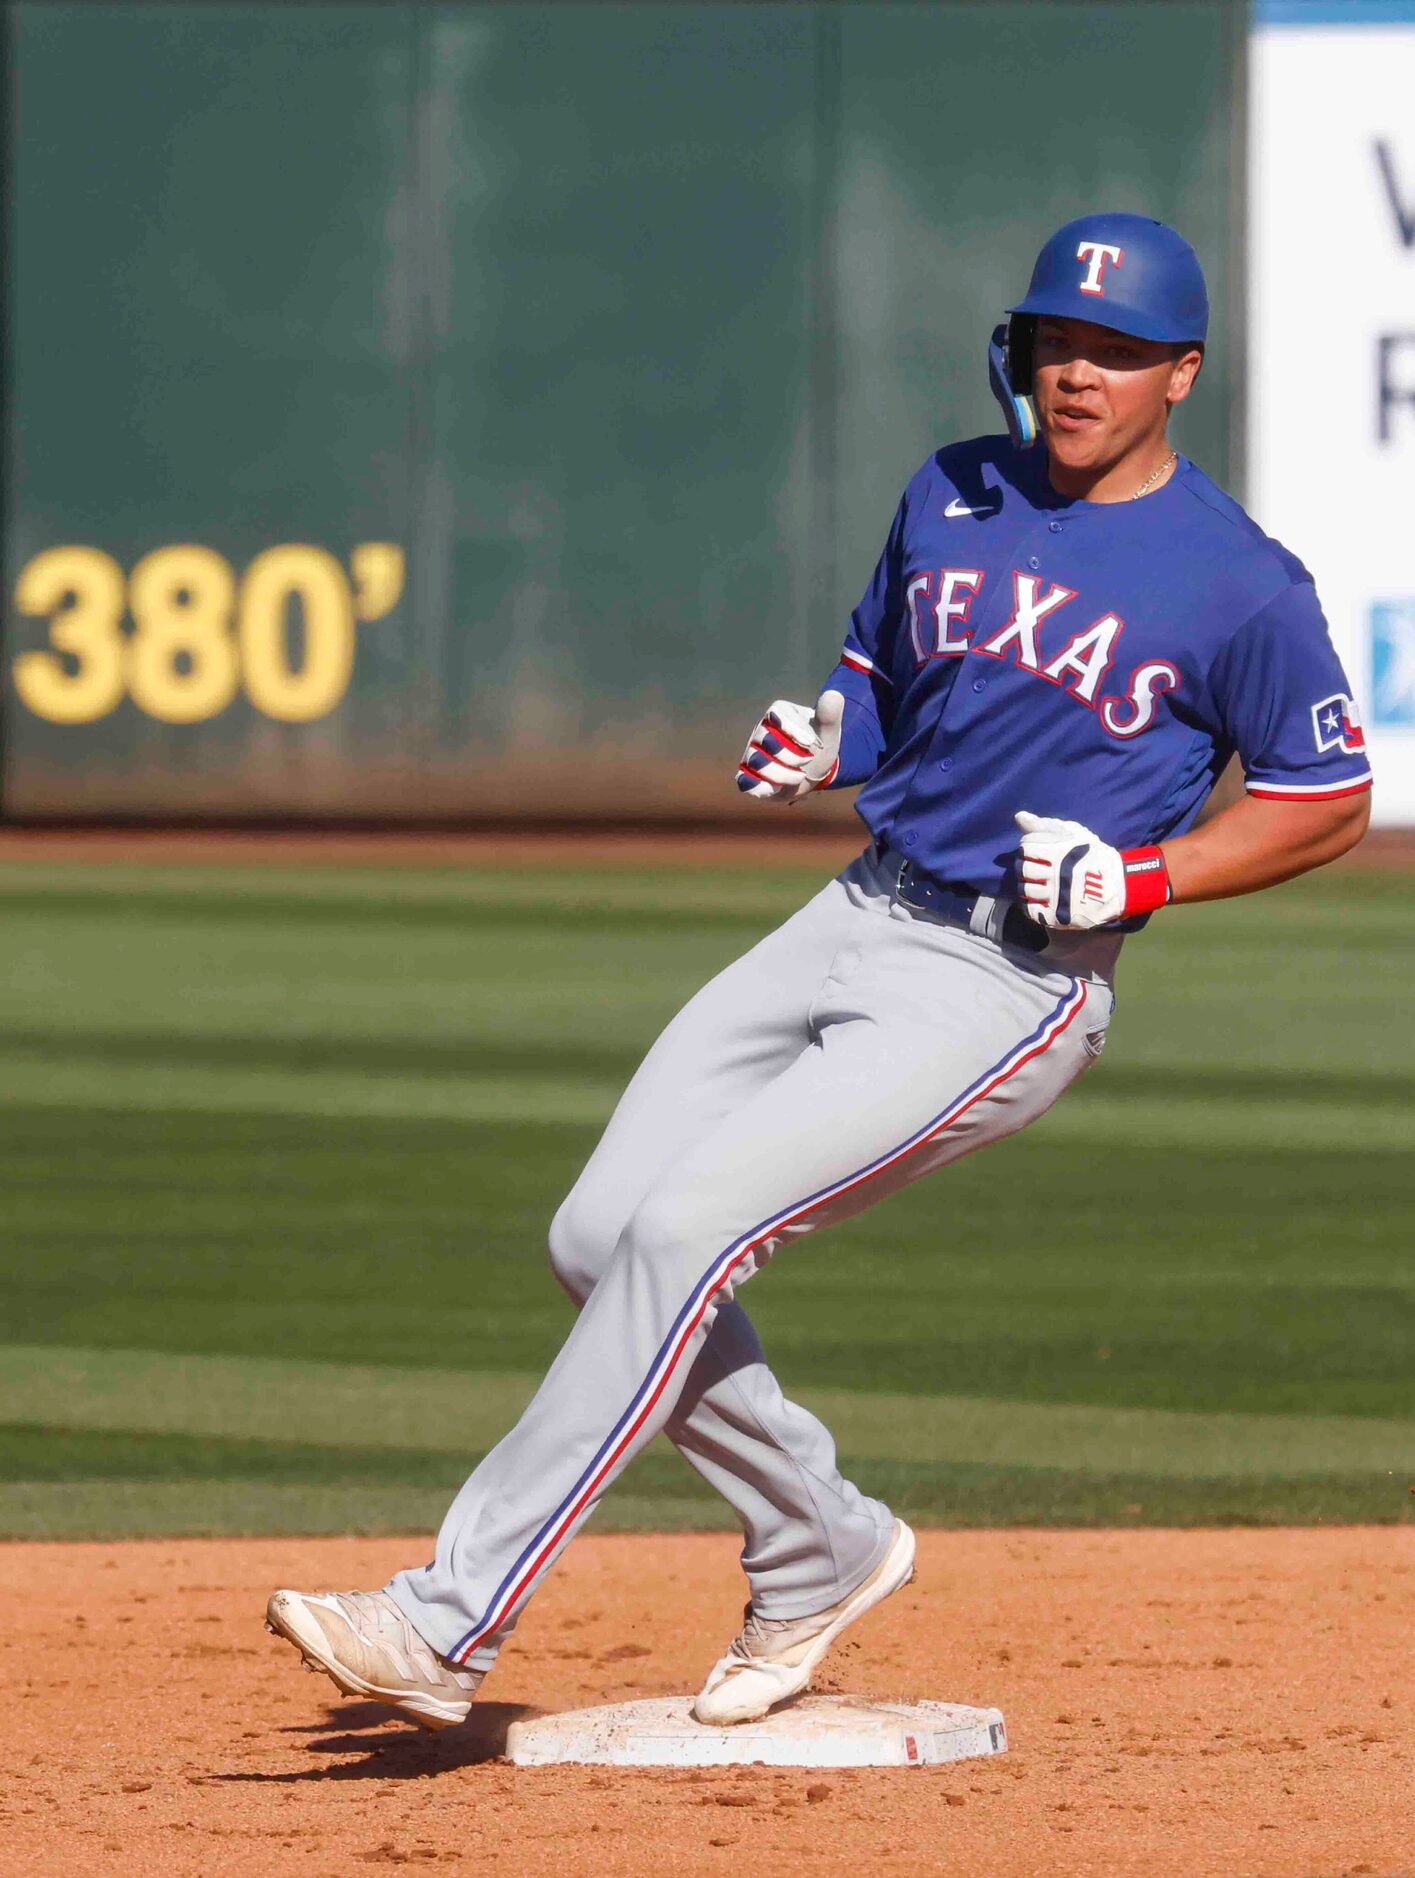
<point>1103,397</point>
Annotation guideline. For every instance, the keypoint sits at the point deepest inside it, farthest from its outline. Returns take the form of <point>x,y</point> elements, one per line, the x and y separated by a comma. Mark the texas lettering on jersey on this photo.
<point>939,605</point>
<point>1100,662</point>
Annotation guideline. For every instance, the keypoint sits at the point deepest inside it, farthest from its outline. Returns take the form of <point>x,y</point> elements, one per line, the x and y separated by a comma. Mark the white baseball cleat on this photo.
<point>366,1646</point>
<point>774,1656</point>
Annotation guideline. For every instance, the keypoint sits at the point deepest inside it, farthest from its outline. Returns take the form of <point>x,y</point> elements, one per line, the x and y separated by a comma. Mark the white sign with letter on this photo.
<point>1331,340</point>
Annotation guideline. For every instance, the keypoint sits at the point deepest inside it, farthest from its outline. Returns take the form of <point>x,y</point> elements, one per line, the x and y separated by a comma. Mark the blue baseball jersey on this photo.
<point>1098,661</point>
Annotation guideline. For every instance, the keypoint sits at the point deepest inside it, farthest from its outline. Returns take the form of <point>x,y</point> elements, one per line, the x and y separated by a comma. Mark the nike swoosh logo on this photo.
<point>957,508</point>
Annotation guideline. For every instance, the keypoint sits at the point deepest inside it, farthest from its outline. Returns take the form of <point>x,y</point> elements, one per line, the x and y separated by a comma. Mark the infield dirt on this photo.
<point>1179,1703</point>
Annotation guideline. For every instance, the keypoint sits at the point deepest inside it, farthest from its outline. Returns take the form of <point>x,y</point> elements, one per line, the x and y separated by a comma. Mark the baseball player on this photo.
<point>1069,633</point>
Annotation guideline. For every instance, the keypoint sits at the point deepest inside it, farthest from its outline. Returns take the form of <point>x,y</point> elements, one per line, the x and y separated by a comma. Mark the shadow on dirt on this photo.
<point>387,1749</point>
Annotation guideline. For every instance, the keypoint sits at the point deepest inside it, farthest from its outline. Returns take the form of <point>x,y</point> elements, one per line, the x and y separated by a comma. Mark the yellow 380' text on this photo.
<point>182,636</point>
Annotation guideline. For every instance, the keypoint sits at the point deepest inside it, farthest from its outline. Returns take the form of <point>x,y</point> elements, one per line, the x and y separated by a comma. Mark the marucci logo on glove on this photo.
<point>1146,880</point>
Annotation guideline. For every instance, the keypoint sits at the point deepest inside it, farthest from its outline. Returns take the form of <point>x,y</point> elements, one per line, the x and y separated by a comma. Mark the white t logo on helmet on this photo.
<point>1097,253</point>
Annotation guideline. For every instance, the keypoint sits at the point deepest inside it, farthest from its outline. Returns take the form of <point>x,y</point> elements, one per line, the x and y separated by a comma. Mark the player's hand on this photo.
<point>793,750</point>
<point>1073,881</point>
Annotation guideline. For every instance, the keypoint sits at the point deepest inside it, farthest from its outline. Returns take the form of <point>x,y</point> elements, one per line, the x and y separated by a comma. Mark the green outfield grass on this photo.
<point>279,1150</point>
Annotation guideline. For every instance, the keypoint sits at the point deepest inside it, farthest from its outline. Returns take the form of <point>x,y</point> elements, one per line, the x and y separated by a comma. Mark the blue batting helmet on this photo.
<point>1129,272</point>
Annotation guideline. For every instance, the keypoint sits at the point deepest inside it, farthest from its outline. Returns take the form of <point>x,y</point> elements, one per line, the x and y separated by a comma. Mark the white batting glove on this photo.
<point>1073,881</point>
<point>793,750</point>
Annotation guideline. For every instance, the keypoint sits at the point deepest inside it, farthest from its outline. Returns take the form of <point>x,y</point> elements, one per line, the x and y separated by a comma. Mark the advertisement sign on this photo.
<point>1331,338</point>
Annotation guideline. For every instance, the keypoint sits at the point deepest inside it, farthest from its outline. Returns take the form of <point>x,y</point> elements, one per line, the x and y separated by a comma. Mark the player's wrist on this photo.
<point>1146,877</point>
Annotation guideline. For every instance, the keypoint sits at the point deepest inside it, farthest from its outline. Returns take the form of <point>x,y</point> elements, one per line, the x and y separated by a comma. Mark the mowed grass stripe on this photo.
<point>954,1496</point>
<point>509,1058</point>
<point>107,1509</point>
<point>533,888</point>
<point>604,900</point>
<point>61,1079</point>
<point>103,1508</point>
<point>610,1063</point>
<point>230,912</point>
<point>435,1411</point>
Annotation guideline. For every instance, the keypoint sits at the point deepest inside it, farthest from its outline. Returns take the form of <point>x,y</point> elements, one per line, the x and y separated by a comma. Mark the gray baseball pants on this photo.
<point>857,1048</point>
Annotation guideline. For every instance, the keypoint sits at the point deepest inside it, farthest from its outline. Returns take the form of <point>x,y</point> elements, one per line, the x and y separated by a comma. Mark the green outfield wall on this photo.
<point>436,410</point>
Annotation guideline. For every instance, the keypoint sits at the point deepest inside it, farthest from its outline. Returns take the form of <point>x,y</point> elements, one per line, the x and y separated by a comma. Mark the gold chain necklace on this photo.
<point>1155,475</point>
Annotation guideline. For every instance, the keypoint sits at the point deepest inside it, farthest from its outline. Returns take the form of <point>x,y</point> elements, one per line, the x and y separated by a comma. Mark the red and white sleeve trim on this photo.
<point>856,660</point>
<point>1310,792</point>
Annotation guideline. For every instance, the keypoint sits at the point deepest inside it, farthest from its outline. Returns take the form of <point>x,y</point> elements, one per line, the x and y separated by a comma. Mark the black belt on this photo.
<point>918,889</point>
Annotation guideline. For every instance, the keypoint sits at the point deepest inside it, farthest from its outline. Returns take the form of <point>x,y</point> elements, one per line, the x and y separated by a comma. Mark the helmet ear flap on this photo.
<point>1010,374</point>
<point>1021,342</point>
